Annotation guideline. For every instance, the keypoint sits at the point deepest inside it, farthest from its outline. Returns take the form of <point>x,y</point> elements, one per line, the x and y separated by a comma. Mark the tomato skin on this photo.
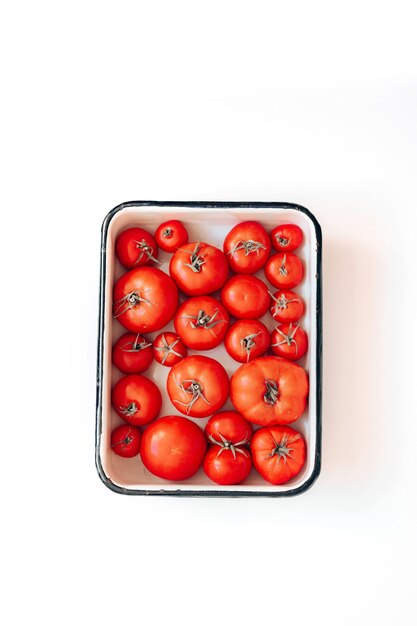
<point>245,296</point>
<point>136,399</point>
<point>289,341</point>
<point>201,322</point>
<point>225,469</point>
<point>247,247</point>
<point>132,353</point>
<point>135,247</point>
<point>246,340</point>
<point>274,467</point>
<point>209,273</point>
<point>287,237</point>
<point>198,386</point>
<point>230,425</point>
<point>284,270</point>
<point>125,441</point>
<point>156,288</point>
<point>269,391</point>
<point>286,306</point>
<point>171,235</point>
<point>173,447</point>
<point>165,347</point>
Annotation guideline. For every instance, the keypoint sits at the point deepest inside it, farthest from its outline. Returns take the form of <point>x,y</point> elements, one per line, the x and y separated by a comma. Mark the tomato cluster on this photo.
<point>268,390</point>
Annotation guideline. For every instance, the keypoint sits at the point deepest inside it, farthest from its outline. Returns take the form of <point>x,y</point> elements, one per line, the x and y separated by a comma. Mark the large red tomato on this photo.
<point>247,247</point>
<point>227,466</point>
<point>198,386</point>
<point>136,399</point>
<point>289,341</point>
<point>286,306</point>
<point>245,297</point>
<point>199,268</point>
<point>132,353</point>
<point>269,390</point>
<point>284,270</point>
<point>125,441</point>
<point>287,237</point>
<point>171,235</point>
<point>168,349</point>
<point>201,322</point>
<point>145,299</point>
<point>246,340</point>
<point>278,453</point>
<point>136,247</point>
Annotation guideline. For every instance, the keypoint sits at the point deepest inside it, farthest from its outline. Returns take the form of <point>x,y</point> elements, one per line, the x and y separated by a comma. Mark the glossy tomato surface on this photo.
<point>286,306</point>
<point>171,235</point>
<point>247,247</point>
<point>201,322</point>
<point>284,270</point>
<point>278,453</point>
<point>289,341</point>
<point>168,349</point>
<point>287,237</point>
<point>246,340</point>
<point>136,399</point>
<point>135,247</point>
<point>125,441</point>
<point>245,297</point>
<point>226,466</point>
<point>132,353</point>
<point>199,268</point>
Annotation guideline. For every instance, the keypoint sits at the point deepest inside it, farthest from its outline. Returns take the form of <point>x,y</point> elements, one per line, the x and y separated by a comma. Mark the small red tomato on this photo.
<point>132,353</point>
<point>246,340</point>
<point>125,441</point>
<point>247,247</point>
<point>287,306</point>
<point>136,399</point>
<point>228,426</point>
<point>287,237</point>
<point>136,247</point>
<point>201,322</point>
<point>168,349</point>
<point>284,270</point>
<point>289,341</point>
<point>171,235</point>
<point>278,453</point>
<point>199,268</point>
<point>245,297</point>
<point>227,465</point>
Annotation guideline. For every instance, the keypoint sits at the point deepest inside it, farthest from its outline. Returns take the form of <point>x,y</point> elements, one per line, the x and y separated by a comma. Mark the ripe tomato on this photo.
<point>198,268</point>
<point>173,447</point>
<point>245,297</point>
<point>132,353</point>
<point>136,399</point>
<point>145,299</point>
<point>168,349</point>
<point>228,427</point>
<point>287,306</point>
<point>269,390</point>
<point>287,237</point>
<point>246,340</point>
<point>247,247</point>
<point>198,386</point>
<point>278,453</point>
<point>171,235</point>
<point>125,441</point>
<point>289,341</point>
<point>136,247</point>
<point>201,322</point>
<point>284,270</point>
<point>227,465</point>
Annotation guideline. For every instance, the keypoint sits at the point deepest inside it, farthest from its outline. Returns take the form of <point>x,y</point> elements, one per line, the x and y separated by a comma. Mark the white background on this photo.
<point>309,102</point>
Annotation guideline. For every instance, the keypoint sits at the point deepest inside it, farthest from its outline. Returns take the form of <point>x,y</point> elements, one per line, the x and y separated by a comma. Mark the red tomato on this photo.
<point>136,399</point>
<point>201,322</point>
<point>125,441</point>
<point>173,447</point>
<point>287,306</point>
<point>132,353</point>
<point>198,386</point>
<point>247,247</point>
<point>171,235</point>
<point>245,297</point>
<point>136,247</point>
<point>284,270</point>
<point>289,341</point>
<point>287,237</point>
<point>246,340</point>
<point>168,349</point>
<point>228,427</point>
<point>227,465</point>
<point>269,390</point>
<point>145,299</point>
<point>198,268</point>
<point>278,453</point>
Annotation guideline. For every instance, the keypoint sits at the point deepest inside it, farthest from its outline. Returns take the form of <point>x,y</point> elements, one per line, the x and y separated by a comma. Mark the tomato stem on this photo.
<point>282,302</point>
<point>271,394</point>
<point>281,449</point>
<point>225,444</point>
<point>194,389</point>
<point>136,345</point>
<point>167,233</point>
<point>130,301</point>
<point>203,320</point>
<point>145,248</point>
<point>130,410</point>
<point>283,270</point>
<point>167,348</point>
<point>248,342</point>
<point>196,261</point>
<point>288,339</point>
<point>248,246</point>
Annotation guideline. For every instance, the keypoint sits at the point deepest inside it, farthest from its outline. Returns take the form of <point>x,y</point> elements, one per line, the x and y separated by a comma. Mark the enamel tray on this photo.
<point>207,221</point>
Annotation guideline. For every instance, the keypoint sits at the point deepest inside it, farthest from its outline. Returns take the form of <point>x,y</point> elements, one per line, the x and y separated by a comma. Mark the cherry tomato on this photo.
<point>284,270</point>
<point>269,390</point>
<point>168,349</point>
<point>245,297</point>
<point>286,306</point>
<point>136,399</point>
<point>230,427</point>
<point>201,322</point>
<point>278,453</point>
<point>145,299</point>
<point>247,247</point>
<point>173,447</point>
<point>132,353</point>
<point>287,237</point>
<point>171,235</point>
<point>125,441</point>
<point>227,465</point>
<point>198,268</point>
<point>198,386</point>
<point>289,341</point>
<point>135,247</point>
<point>246,340</point>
